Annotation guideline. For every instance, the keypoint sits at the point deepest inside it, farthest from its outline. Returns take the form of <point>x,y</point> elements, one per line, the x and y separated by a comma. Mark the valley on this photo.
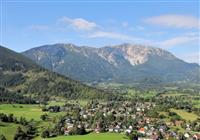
<point>99,70</point>
<point>173,113</point>
<point>36,103</point>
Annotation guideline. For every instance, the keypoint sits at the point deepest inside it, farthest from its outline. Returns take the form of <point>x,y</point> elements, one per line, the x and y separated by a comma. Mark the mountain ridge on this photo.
<point>124,63</point>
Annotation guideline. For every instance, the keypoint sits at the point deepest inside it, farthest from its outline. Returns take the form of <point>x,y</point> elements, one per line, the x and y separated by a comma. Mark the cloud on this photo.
<point>38,27</point>
<point>113,35</point>
<point>140,27</point>
<point>173,20</point>
<point>79,23</point>
<point>125,24</point>
<point>179,40</point>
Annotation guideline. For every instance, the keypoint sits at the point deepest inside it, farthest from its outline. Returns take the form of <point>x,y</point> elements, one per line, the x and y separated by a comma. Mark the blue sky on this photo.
<point>173,26</point>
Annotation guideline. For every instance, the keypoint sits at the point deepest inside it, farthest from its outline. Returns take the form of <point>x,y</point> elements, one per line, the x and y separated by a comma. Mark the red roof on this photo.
<point>141,129</point>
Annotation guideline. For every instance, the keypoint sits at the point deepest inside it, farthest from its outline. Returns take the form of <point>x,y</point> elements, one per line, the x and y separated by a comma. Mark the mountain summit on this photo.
<point>125,63</point>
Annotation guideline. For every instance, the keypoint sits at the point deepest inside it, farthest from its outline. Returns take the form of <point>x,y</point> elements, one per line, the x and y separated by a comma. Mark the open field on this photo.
<point>8,130</point>
<point>196,103</point>
<point>27,111</point>
<point>133,93</point>
<point>53,103</point>
<point>61,103</point>
<point>185,115</point>
<point>173,94</point>
<point>81,102</point>
<point>18,110</point>
<point>93,136</point>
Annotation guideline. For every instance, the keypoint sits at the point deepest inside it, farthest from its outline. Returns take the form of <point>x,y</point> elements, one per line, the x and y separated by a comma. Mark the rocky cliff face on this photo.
<point>134,54</point>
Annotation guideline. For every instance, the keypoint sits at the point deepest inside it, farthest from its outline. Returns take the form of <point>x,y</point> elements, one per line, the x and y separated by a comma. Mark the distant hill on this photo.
<point>125,63</point>
<point>20,75</point>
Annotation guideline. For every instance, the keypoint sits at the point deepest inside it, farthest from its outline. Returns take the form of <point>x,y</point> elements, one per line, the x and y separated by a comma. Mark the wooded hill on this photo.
<point>21,76</point>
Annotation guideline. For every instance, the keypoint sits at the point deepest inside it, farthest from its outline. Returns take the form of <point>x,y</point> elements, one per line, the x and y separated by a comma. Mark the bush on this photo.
<point>2,137</point>
<point>45,134</point>
<point>44,117</point>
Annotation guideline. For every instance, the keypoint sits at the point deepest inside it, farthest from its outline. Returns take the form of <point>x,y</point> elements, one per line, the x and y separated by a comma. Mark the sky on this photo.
<point>170,25</point>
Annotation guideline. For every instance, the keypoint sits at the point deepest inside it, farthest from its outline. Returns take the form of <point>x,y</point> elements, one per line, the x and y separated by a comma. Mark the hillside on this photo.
<point>21,76</point>
<point>124,63</point>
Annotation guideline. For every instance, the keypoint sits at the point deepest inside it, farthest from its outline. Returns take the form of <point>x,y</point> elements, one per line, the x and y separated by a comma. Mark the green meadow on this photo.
<point>8,129</point>
<point>93,136</point>
<point>18,110</point>
<point>27,111</point>
<point>185,115</point>
<point>196,103</point>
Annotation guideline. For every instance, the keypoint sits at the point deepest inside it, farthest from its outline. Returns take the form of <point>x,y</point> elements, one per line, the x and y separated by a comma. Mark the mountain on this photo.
<point>23,78</point>
<point>125,63</point>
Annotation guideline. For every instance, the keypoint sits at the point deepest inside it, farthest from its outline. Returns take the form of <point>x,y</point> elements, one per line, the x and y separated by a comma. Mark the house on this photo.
<point>67,130</point>
<point>147,120</point>
<point>85,116</point>
<point>138,109</point>
<point>168,123</point>
<point>149,133</point>
<point>111,129</point>
<point>145,139</point>
<point>154,137</point>
<point>188,128</point>
<point>196,137</point>
<point>141,130</point>
<point>86,125</point>
<point>128,131</point>
<point>178,123</point>
<point>117,129</point>
<point>186,135</point>
<point>70,125</point>
<point>130,127</point>
<point>97,129</point>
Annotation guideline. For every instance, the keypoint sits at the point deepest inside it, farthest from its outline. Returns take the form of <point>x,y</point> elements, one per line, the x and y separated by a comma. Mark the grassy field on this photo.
<point>18,110</point>
<point>53,103</point>
<point>93,136</point>
<point>8,130</point>
<point>172,94</point>
<point>185,115</point>
<point>196,103</point>
<point>134,93</point>
<point>27,111</point>
<point>61,103</point>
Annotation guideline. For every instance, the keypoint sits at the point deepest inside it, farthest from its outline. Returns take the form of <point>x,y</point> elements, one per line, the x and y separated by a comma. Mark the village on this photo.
<point>136,119</point>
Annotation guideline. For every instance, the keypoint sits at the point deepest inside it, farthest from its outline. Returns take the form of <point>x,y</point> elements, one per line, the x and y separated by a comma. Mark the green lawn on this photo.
<point>93,136</point>
<point>186,115</point>
<point>8,130</point>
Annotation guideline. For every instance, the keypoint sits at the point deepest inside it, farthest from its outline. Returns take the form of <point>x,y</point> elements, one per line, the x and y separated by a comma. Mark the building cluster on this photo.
<point>124,117</point>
